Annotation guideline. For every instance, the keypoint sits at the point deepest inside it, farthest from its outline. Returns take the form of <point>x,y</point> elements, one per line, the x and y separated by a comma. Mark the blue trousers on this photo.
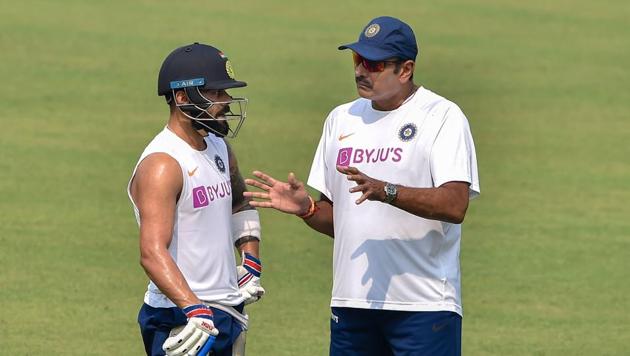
<point>156,324</point>
<point>369,332</point>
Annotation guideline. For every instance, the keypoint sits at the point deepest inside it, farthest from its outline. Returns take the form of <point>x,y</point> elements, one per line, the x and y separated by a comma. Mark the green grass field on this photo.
<point>544,85</point>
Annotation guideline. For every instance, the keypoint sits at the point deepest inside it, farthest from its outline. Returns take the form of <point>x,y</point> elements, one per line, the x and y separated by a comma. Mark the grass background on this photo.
<point>545,87</point>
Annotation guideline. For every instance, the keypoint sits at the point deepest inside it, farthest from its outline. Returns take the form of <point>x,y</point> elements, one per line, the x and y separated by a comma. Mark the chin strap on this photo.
<point>199,106</point>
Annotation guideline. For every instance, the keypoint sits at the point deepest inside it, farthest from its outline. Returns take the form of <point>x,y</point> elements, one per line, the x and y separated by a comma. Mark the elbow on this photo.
<point>451,218</point>
<point>457,219</point>
<point>456,215</point>
<point>145,261</point>
<point>148,258</point>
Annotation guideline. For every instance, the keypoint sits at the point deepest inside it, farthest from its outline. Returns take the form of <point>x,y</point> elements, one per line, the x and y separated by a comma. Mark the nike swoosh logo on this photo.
<point>192,173</point>
<point>343,137</point>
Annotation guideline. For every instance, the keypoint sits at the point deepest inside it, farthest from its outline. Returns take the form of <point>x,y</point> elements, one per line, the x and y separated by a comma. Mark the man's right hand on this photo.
<point>289,197</point>
<point>249,278</point>
<point>190,340</point>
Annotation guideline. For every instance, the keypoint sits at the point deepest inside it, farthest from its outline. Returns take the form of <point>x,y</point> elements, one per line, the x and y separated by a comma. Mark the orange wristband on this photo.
<point>311,209</point>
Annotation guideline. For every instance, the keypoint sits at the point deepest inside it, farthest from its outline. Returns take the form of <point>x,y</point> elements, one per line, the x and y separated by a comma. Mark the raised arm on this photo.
<point>291,197</point>
<point>447,202</point>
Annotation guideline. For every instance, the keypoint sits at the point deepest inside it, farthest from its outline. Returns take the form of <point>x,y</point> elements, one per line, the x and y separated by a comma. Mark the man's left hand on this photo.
<point>372,189</point>
<point>249,278</point>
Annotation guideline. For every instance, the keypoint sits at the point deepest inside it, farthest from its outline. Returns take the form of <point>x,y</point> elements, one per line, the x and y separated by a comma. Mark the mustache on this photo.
<point>363,81</point>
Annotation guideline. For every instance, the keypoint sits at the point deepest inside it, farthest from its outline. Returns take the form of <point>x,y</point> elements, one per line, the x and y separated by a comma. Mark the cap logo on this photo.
<point>178,84</point>
<point>229,70</point>
<point>372,30</point>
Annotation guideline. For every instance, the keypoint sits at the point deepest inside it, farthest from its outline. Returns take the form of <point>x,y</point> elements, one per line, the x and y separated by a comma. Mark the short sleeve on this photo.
<point>453,156</point>
<point>318,175</point>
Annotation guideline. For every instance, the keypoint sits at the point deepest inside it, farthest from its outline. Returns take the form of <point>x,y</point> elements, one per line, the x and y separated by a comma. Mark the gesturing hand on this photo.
<point>372,189</point>
<point>289,197</point>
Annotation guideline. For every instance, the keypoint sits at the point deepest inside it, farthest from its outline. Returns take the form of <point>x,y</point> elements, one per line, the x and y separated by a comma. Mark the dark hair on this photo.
<point>169,98</point>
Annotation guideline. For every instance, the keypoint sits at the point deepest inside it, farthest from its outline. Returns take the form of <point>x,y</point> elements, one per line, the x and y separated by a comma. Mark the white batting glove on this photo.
<point>249,279</point>
<point>190,340</point>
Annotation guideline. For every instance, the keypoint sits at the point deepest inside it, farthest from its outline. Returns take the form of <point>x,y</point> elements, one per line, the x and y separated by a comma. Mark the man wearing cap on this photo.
<point>187,194</point>
<point>396,169</point>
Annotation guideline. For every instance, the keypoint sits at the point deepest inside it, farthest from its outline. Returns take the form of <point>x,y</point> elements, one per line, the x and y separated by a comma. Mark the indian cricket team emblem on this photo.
<point>228,69</point>
<point>407,132</point>
<point>372,30</point>
<point>219,163</point>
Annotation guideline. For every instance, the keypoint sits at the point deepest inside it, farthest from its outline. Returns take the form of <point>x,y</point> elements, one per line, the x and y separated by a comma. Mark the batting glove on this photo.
<point>190,340</point>
<point>249,279</point>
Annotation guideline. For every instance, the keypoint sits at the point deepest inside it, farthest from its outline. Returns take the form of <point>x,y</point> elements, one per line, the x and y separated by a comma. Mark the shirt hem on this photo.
<point>159,300</point>
<point>397,306</point>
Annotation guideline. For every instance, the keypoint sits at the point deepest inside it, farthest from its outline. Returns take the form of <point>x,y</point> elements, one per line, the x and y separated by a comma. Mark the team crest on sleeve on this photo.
<point>219,163</point>
<point>407,132</point>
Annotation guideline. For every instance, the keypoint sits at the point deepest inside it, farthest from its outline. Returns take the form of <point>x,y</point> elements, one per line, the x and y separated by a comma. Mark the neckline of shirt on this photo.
<point>418,93</point>
<point>186,143</point>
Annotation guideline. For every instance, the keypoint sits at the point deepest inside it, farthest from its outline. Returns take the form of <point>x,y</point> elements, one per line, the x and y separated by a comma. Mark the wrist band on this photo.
<point>245,223</point>
<point>312,209</point>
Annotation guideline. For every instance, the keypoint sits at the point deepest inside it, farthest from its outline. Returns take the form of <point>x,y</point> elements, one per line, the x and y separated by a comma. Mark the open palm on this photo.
<point>289,197</point>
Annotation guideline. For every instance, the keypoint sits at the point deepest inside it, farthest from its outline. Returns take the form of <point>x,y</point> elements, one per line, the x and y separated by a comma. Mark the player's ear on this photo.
<point>406,71</point>
<point>181,97</point>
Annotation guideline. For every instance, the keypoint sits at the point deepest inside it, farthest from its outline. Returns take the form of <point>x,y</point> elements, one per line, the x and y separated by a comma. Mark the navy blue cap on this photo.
<point>198,65</point>
<point>383,38</point>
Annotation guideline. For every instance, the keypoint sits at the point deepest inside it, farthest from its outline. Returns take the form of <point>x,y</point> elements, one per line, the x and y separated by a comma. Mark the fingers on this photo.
<point>257,184</point>
<point>352,173</point>
<point>293,182</point>
<point>362,198</point>
<point>188,339</point>
<point>193,343</point>
<point>358,188</point>
<point>363,189</point>
<point>265,177</point>
<point>261,204</point>
<point>356,178</point>
<point>259,195</point>
<point>176,340</point>
<point>348,170</point>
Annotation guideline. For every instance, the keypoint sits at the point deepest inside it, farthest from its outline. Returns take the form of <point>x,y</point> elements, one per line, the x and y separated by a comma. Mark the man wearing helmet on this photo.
<point>187,194</point>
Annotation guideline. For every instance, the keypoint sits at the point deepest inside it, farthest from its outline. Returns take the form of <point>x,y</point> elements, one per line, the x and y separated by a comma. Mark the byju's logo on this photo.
<point>348,155</point>
<point>203,196</point>
<point>343,157</point>
<point>200,197</point>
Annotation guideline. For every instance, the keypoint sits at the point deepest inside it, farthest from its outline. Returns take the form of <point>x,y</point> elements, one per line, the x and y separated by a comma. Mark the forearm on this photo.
<point>246,231</point>
<point>432,203</point>
<point>162,270</point>
<point>322,220</point>
<point>251,246</point>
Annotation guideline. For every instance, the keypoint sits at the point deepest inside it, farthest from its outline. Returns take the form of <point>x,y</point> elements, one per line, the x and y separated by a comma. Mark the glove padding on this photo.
<point>194,335</point>
<point>249,279</point>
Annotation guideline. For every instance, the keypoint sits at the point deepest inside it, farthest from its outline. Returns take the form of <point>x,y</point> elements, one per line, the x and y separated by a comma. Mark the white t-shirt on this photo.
<point>384,257</point>
<point>201,245</point>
